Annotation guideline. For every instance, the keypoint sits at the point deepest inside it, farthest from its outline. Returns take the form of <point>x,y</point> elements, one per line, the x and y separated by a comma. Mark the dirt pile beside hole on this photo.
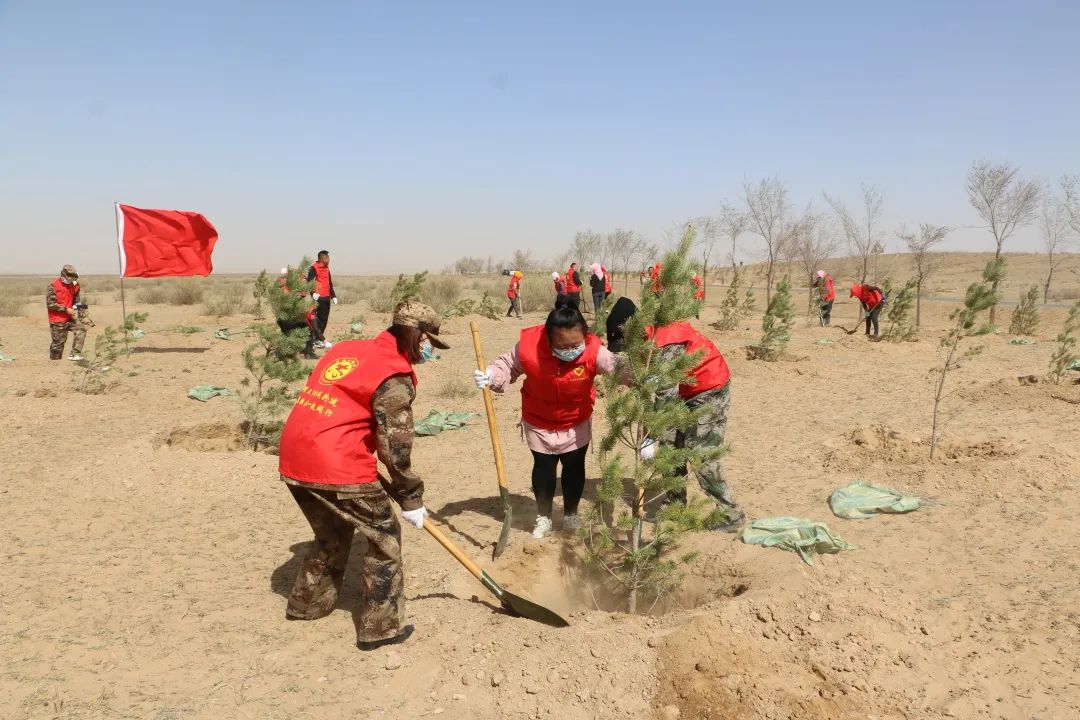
<point>208,437</point>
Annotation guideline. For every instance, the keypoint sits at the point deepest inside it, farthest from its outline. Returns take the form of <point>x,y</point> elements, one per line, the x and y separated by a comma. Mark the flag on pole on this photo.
<point>163,243</point>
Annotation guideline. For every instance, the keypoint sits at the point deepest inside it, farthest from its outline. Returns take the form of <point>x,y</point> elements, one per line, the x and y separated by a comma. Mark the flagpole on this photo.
<point>120,265</point>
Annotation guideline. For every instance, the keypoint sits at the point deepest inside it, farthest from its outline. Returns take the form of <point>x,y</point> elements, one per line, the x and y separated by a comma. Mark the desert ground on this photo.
<point>147,555</point>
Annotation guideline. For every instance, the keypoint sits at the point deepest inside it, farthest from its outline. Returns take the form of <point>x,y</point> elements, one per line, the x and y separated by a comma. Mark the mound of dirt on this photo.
<point>208,437</point>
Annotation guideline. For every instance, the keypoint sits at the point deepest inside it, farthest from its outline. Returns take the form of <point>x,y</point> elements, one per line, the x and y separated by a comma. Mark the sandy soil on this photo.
<point>146,560</point>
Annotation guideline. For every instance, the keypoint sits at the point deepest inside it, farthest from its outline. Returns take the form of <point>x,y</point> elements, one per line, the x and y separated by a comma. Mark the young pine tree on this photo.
<point>732,309</point>
<point>1025,318</point>
<point>979,297</point>
<point>776,325</point>
<point>273,360</point>
<point>260,292</point>
<point>638,556</point>
<point>108,347</point>
<point>994,275</point>
<point>1064,356</point>
<point>901,328</point>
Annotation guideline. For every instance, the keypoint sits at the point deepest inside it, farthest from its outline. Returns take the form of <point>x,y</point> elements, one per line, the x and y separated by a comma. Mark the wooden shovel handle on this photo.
<point>489,408</point>
<point>454,550</point>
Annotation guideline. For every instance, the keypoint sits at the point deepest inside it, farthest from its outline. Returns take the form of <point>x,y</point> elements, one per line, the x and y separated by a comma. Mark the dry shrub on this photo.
<point>150,295</point>
<point>186,292</point>
<point>11,304</point>
<point>442,291</point>
<point>537,293</point>
<point>455,387</point>
<point>227,301</point>
<point>1064,292</point>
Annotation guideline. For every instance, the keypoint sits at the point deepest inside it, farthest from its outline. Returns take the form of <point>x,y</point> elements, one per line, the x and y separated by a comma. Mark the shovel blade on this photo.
<point>518,605</point>
<point>504,533</point>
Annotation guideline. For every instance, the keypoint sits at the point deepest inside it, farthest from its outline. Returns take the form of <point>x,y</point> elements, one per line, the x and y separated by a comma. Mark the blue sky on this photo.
<point>404,135</point>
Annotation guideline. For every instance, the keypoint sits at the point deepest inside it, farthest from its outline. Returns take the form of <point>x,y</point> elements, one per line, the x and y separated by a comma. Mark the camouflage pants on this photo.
<point>59,333</point>
<point>709,432</point>
<point>334,517</point>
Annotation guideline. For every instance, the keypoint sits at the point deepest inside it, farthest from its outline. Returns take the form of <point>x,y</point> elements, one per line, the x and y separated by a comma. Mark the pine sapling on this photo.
<point>1025,318</point>
<point>994,275</point>
<point>260,292</point>
<point>901,328</point>
<point>1064,357</point>
<point>109,346</point>
<point>732,309</point>
<point>637,557</point>
<point>979,297</point>
<point>776,325</point>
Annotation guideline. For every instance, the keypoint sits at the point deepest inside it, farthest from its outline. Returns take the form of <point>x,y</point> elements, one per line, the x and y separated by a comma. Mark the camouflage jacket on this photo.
<point>53,303</point>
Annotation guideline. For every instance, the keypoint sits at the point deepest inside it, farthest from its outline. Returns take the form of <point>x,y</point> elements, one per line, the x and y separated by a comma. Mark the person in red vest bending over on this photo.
<point>355,409</point>
<point>65,308</point>
<point>324,293</point>
<point>607,282</point>
<point>710,388</point>
<point>513,293</point>
<point>656,286</point>
<point>573,285</point>
<point>872,299</point>
<point>560,360</point>
<point>826,296</point>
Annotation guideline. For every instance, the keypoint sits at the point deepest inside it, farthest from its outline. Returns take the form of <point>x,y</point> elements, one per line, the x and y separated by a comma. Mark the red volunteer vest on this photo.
<point>512,289</point>
<point>330,435</point>
<point>556,395</point>
<point>699,287</point>
<point>711,373</point>
<point>607,281</point>
<point>830,289</point>
<point>322,279</point>
<point>65,295</point>
<point>571,286</point>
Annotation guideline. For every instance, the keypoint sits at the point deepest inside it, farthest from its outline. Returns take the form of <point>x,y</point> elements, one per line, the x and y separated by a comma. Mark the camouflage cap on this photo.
<point>420,316</point>
<point>69,270</point>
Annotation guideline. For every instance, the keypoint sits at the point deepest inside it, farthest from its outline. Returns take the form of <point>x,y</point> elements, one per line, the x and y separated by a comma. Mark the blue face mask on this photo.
<point>569,354</point>
<point>427,351</point>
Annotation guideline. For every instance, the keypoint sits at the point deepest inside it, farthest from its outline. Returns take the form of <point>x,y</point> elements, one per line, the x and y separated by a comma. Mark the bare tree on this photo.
<point>732,223</point>
<point>923,262</point>
<point>586,247</point>
<point>708,232</point>
<point>1072,201</point>
<point>1004,202</point>
<point>816,242</point>
<point>1054,224</point>
<point>523,261</point>
<point>766,205</point>
<point>861,234</point>
<point>626,247</point>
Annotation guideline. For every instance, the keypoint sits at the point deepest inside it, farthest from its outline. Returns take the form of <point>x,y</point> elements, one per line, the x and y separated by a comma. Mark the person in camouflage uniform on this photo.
<point>67,314</point>
<point>327,463</point>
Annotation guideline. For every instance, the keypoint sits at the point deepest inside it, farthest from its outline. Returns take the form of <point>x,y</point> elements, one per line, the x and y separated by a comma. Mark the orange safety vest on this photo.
<point>556,395</point>
<point>330,435</point>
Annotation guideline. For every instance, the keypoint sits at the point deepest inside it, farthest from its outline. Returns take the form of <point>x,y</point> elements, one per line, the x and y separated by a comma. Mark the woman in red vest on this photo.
<point>513,293</point>
<point>573,285</point>
<point>607,282</point>
<point>560,288</point>
<point>560,361</point>
<point>872,299</point>
<point>826,296</point>
<point>709,388</point>
<point>355,409</point>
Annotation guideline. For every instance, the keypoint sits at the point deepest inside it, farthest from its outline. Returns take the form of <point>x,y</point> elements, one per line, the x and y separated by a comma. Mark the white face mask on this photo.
<point>569,354</point>
<point>427,351</point>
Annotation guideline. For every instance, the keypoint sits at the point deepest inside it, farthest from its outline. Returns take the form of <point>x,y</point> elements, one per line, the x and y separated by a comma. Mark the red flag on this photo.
<point>164,243</point>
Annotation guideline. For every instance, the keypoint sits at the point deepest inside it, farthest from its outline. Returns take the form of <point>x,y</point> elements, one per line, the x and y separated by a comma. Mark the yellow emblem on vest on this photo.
<point>338,369</point>
<point>578,371</point>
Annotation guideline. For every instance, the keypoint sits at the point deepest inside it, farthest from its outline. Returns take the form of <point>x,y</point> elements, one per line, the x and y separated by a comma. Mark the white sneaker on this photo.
<point>318,344</point>
<point>76,358</point>
<point>571,522</point>
<point>543,527</point>
<point>327,345</point>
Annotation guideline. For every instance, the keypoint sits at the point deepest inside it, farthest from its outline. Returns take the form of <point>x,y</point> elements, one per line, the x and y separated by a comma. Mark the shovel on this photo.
<point>512,603</point>
<point>496,448</point>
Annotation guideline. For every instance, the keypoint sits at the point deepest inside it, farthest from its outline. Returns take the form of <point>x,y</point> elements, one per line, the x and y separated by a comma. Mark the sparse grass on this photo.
<point>442,291</point>
<point>11,304</point>
<point>187,292</point>
<point>455,388</point>
<point>150,295</point>
<point>226,302</point>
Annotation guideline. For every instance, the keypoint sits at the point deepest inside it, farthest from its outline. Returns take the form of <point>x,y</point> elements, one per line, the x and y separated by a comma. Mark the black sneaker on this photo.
<point>396,640</point>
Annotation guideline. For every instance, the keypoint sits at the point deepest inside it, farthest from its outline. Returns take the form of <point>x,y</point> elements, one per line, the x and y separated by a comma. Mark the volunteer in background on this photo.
<point>356,407</point>
<point>573,285</point>
<point>654,278</point>
<point>826,296</point>
<point>324,290</point>
<point>560,288</point>
<point>560,360</point>
<point>699,292</point>
<point>66,312</point>
<point>607,282</point>
<point>513,292</point>
<point>871,299</point>
<point>596,285</point>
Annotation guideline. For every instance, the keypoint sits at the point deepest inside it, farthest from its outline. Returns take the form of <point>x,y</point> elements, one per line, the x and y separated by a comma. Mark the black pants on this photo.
<point>322,313</point>
<point>826,312</point>
<point>515,307</point>
<point>287,327</point>
<point>597,301</point>
<point>573,480</point>
<point>872,318</point>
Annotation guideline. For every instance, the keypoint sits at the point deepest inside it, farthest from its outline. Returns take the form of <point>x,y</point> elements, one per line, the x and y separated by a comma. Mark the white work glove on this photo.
<point>483,379</point>
<point>315,296</point>
<point>648,449</point>
<point>327,344</point>
<point>334,300</point>
<point>415,517</point>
